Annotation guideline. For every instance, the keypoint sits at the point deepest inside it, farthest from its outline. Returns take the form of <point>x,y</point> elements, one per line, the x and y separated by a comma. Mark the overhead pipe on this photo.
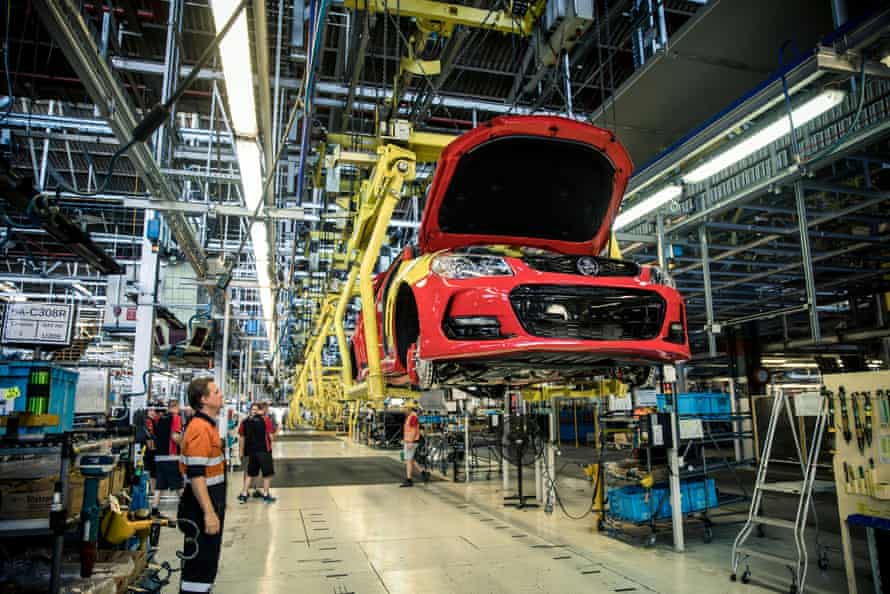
<point>788,231</point>
<point>834,339</point>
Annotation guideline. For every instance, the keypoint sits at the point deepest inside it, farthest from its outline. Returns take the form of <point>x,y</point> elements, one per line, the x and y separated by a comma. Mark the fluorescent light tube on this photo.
<point>237,65</point>
<point>234,50</point>
<point>647,205</point>
<point>802,114</point>
<point>250,164</point>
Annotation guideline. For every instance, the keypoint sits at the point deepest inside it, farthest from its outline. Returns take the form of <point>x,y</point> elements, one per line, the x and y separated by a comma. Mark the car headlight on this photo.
<point>458,266</point>
<point>657,276</point>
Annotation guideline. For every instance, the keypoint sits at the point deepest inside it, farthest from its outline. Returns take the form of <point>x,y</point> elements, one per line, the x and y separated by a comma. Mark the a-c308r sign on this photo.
<point>38,324</point>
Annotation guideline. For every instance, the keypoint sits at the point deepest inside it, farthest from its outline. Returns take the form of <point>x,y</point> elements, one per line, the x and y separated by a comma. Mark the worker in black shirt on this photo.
<point>167,437</point>
<point>259,459</point>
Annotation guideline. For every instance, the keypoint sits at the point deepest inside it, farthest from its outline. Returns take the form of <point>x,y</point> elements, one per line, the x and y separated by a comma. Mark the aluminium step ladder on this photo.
<point>742,549</point>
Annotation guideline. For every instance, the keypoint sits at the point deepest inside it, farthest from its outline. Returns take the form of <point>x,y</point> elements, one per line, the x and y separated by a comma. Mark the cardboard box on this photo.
<point>117,479</point>
<point>29,499</point>
<point>26,499</point>
<point>125,566</point>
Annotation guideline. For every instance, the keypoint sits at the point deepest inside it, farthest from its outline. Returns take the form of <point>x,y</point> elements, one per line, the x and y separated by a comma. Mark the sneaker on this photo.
<point>407,483</point>
<point>242,498</point>
<point>426,476</point>
<point>269,499</point>
<point>156,515</point>
<point>257,495</point>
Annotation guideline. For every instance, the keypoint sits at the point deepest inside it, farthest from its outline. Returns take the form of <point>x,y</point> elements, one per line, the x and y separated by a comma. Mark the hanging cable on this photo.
<point>9,88</point>
<point>853,125</point>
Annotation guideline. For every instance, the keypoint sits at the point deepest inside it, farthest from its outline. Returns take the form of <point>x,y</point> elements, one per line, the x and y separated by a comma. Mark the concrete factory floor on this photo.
<point>445,537</point>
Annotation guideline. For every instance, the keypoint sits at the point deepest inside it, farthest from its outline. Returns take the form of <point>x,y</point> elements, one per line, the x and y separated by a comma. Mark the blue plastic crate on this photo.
<point>63,388</point>
<point>699,404</point>
<point>699,495</point>
<point>720,405</point>
<point>636,504</point>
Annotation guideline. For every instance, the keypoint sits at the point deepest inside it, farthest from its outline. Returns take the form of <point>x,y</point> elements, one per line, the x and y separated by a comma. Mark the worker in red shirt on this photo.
<point>148,457</point>
<point>168,434</point>
<point>411,439</point>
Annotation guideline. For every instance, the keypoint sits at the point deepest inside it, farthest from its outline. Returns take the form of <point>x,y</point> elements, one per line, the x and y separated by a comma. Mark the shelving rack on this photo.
<point>706,446</point>
<point>57,523</point>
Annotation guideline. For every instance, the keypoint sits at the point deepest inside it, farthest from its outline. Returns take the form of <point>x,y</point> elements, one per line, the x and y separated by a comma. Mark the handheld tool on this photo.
<point>857,422</point>
<point>871,477</point>
<point>868,418</point>
<point>829,395</point>
<point>94,468</point>
<point>845,418</point>
<point>884,402</point>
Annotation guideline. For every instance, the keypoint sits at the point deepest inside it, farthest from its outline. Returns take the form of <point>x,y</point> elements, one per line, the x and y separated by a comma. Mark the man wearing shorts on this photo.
<point>259,459</point>
<point>168,434</point>
<point>411,438</point>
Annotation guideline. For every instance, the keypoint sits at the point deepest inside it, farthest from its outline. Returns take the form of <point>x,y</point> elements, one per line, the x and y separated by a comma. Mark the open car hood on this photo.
<point>537,181</point>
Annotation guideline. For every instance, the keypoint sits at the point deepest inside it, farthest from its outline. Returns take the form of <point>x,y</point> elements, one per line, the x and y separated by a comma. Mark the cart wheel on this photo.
<point>823,561</point>
<point>709,534</point>
<point>650,542</point>
<point>733,578</point>
<point>746,577</point>
<point>792,589</point>
<point>760,531</point>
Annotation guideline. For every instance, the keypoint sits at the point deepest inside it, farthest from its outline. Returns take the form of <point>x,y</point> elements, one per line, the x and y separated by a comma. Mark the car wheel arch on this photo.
<point>406,322</point>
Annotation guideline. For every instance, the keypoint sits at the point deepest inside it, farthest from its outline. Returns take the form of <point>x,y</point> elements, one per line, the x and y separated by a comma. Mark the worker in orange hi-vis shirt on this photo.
<point>203,502</point>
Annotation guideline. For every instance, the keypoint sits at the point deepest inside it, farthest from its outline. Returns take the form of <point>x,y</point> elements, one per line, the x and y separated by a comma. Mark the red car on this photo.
<point>505,286</point>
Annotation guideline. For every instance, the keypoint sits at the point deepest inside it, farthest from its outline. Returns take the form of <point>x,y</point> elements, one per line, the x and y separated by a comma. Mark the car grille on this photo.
<point>588,313</point>
<point>569,265</point>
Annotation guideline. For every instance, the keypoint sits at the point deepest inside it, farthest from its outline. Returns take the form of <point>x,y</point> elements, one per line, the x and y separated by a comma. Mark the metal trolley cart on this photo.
<point>707,424</point>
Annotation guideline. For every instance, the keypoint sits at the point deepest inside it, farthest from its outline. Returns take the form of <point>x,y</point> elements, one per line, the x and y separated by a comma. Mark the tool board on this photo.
<point>859,424</point>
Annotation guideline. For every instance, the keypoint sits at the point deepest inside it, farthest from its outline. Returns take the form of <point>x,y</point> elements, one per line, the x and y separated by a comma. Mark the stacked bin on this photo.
<point>636,504</point>
<point>712,405</point>
<point>41,389</point>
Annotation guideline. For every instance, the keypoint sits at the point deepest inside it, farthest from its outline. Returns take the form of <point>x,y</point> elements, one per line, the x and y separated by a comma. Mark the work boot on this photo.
<point>242,497</point>
<point>269,499</point>
<point>407,483</point>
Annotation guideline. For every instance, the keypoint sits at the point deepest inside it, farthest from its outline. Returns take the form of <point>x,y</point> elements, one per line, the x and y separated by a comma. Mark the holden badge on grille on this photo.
<point>588,266</point>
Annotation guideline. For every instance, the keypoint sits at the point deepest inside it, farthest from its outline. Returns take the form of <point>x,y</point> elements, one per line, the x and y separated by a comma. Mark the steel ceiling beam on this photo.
<point>874,198</point>
<point>68,29</point>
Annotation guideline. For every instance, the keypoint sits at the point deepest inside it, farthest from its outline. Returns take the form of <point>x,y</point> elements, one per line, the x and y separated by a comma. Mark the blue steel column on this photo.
<point>807,260</point>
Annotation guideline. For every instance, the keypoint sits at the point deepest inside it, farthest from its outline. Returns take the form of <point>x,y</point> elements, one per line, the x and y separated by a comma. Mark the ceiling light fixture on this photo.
<point>647,205</point>
<point>749,144</point>
<point>237,62</point>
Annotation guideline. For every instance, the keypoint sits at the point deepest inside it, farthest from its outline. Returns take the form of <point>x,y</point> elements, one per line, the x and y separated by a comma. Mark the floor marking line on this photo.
<point>306,532</point>
<point>377,573</point>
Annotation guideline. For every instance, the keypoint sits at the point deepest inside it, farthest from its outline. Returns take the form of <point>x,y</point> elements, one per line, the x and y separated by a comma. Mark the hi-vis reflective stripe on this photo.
<point>199,460</point>
<point>166,458</point>
<point>194,587</point>
<point>212,480</point>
